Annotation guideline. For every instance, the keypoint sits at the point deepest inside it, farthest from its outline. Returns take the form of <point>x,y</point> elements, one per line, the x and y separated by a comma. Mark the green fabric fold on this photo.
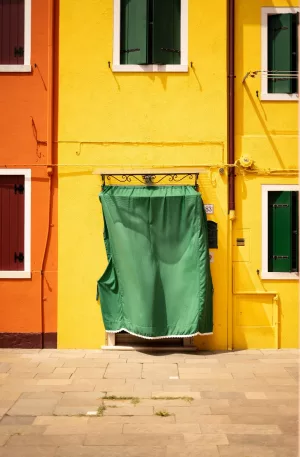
<point>157,282</point>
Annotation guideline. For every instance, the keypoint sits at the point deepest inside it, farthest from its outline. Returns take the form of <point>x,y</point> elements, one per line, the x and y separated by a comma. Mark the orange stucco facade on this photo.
<point>28,306</point>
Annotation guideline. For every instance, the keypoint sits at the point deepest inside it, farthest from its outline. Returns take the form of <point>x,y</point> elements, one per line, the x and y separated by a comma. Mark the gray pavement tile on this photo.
<point>45,440</point>
<point>44,395</point>
<point>222,395</point>
<point>168,429</point>
<point>17,420</point>
<point>27,451</point>
<point>3,439</point>
<point>75,410</point>
<point>243,429</point>
<point>265,440</point>
<point>30,407</point>
<point>261,419</point>
<point>247,450</point>
<point>21,429</point>
<point>110,451</point>
<point>139,439</point>
<point>192,450</point>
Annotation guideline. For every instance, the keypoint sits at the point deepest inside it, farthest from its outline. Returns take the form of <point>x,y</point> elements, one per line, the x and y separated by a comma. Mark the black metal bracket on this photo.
<point>19,189</point>
<point>150,179</point>
<point>170,50</point>
<point>126,51</point>
<point>280,28</point>
<point>19,257</point>
<point>19,51</point>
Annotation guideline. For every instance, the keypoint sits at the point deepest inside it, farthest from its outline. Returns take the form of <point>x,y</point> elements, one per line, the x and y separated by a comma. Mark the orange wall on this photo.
<point>24,101</point>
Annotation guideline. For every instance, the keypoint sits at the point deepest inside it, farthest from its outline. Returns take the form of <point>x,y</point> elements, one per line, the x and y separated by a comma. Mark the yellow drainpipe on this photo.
<point>230,282</point>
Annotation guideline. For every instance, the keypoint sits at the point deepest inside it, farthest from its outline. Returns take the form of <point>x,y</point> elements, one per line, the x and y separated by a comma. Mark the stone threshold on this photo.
<point>151,348</point>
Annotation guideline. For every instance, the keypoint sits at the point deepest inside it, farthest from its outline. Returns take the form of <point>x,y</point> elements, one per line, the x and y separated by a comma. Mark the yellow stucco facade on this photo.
<point>266,131</point>
<point>144,120</point>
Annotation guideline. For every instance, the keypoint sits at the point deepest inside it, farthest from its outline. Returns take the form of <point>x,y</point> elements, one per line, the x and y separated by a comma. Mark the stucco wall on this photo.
<point>132,120</point>
<point>266,131</point>
<point>23,103</point>
<point>163,120</point>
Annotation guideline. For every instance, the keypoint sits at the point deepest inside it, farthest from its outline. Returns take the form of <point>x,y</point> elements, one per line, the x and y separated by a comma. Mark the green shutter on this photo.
<point>282,206</point>
<point>295,52</point>
<point>280,48</point>
<point>134,32</point>
<point>295,231</point>
<point>166,32</point>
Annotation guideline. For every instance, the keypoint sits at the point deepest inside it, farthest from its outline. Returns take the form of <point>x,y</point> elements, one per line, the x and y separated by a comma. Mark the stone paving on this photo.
<point>69,403</point>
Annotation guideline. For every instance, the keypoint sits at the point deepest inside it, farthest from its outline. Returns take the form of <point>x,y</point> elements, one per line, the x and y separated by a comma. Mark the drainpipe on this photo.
<point>51,6</point>
<point>230,107</point>
<point>231,154</point>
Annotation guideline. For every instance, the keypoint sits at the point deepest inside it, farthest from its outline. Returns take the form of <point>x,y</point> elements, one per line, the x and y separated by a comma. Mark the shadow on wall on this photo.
<point>154,76</point>
<point>262,120</point>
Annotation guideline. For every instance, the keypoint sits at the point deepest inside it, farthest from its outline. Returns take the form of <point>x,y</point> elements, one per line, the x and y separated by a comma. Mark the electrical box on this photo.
<point>212,234</point>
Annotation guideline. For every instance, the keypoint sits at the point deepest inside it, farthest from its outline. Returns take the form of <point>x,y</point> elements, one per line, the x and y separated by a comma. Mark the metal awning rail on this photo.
<point>149,177</point>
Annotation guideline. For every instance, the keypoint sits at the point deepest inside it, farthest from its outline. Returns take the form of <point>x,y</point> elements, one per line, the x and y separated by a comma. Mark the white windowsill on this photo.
<point>15,274</point>
<point>15,68</point>
<point>280,97</point>
<point>150,68</point>
<point>272,275</point>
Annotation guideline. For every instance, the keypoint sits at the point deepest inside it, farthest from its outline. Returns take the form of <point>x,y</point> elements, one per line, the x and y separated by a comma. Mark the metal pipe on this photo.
<point>50,101</point>
<point>230,102</point>
<point>230,160</point>
<point>116,166</point>
<point>230,283</point>
<point>50,104</point>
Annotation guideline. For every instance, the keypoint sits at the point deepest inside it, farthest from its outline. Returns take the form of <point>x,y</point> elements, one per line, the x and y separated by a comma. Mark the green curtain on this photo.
<point>157,282</point>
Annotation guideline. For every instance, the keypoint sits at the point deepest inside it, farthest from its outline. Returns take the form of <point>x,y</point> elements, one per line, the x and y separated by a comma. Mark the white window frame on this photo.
<point>182,67</point>
<point>26,273</point>
<point>265,95</point>
<point>26,67</point>
<point>265,274</point>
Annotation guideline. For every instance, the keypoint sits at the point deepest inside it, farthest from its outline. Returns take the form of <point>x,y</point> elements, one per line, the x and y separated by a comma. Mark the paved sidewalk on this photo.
<point>133,404</point>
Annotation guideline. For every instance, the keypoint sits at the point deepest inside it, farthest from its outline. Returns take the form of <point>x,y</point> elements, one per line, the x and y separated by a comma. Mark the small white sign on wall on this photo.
<point>211,257</point>
<point>209,209</point>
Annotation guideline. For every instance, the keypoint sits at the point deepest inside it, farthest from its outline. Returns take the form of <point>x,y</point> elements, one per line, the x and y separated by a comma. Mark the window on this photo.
<point>280,53</point>
<point>15,208</point>
<point>15,31</point>
<point>145,41</point>
<point>280,232</point>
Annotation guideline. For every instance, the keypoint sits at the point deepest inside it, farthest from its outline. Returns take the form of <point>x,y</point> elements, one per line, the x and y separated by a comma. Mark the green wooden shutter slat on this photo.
<point>295,231</point>
<point>166,32</point>
<point>134,32</point>
<point>280,38</point>
<point>295,46</point>
<point>280,231</point>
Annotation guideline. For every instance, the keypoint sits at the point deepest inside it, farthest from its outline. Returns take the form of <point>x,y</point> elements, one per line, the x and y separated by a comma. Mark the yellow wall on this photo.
<point>143,120</point>
<point>267,131</point>
<point>159,119</point>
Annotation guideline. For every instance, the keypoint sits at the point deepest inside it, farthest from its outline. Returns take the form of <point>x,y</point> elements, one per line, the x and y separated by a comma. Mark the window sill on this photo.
<point>282,276</point>
<point>280,97</point>
<point>15,68</point>
<point>118,68</point>
<point>15,274</point>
